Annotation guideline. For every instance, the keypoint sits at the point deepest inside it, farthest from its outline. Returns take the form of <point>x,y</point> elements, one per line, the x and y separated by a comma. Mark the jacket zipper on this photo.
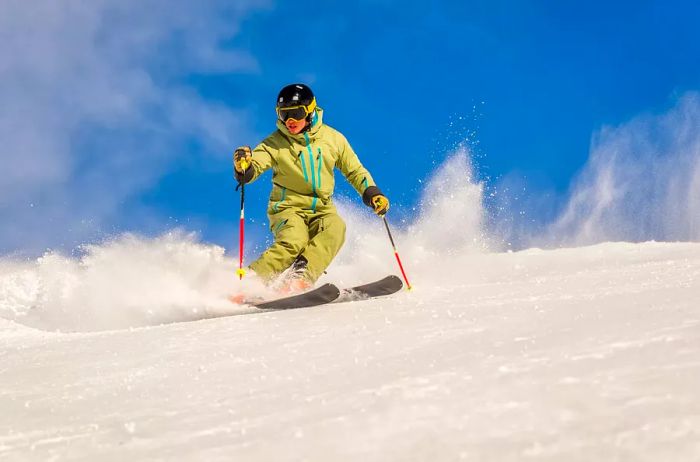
<point>313,173</point>
<point>319,159</point>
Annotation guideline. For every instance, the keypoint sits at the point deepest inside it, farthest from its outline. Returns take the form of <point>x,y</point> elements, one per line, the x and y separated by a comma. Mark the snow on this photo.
<point>574,354</point>
<point>130,350</point>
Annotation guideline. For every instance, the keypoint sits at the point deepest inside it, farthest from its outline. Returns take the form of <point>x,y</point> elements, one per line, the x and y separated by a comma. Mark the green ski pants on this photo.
<point>317,236</point>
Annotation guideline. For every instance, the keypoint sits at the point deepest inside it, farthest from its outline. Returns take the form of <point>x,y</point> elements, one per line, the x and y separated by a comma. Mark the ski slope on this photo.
<point>130,350</point>
<point>574,354</point>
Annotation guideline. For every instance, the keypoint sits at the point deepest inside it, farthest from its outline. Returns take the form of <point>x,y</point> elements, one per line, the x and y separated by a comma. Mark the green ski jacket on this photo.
<point>302,166</point>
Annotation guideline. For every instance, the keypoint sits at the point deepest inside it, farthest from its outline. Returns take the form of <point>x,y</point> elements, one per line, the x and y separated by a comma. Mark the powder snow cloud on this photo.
<point>642,181</point>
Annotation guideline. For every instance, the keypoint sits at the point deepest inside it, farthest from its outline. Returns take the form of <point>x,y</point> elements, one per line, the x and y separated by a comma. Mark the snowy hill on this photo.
<point>575,354</point>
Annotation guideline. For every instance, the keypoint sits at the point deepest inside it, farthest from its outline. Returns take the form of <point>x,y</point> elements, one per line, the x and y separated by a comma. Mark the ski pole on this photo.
<point>396,253</point>
<point>241,232</point>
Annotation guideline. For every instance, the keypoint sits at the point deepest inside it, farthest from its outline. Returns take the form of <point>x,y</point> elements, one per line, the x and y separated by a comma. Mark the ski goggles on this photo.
<point>299,112</point>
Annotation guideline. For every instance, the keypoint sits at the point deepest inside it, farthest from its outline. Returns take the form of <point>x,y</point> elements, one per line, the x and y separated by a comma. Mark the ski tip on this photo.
<point>399,281</point>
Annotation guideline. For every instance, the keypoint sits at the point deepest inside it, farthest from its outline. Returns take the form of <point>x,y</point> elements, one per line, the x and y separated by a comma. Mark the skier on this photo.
<point>302,154</point>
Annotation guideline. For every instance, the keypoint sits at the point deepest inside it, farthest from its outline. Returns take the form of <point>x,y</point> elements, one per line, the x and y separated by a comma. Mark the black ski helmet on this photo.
<point>296,95</point>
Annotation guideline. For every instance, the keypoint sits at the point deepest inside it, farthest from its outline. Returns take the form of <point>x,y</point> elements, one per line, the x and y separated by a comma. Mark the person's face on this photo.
<point>295,126</point>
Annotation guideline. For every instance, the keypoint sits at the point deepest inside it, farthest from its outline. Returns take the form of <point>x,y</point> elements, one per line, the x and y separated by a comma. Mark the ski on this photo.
<point>386,286</point>
<point>318,296</point>
<point>329,293</point>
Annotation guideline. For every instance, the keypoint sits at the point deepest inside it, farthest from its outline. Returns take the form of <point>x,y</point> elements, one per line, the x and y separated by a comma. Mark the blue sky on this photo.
<point>123,115</point>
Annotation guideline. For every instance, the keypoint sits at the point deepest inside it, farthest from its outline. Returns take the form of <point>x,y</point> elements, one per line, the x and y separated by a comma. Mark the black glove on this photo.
<point>373,197</point>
